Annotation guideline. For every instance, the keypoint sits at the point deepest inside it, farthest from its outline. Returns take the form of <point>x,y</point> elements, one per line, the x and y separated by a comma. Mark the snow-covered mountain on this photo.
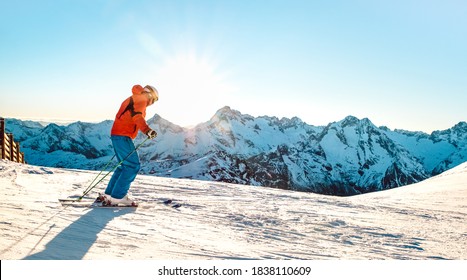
<point>347,157</point>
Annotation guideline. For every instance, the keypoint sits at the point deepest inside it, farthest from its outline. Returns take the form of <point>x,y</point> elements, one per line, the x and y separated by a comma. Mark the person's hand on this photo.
<point>151,134</point>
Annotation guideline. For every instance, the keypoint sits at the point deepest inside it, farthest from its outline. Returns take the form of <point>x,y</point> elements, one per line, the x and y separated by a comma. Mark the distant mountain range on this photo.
<point>347,157</point>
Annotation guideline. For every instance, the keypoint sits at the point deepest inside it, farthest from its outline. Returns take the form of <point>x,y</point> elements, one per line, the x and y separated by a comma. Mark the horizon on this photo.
<point>400,64</point>
<point>46,122</point>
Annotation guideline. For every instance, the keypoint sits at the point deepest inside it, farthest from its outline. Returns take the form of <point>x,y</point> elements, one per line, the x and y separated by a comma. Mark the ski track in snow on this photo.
<point>224,221</point>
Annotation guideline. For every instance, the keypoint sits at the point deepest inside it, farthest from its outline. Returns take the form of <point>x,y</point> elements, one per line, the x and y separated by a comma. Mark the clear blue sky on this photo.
<point>402,64</point>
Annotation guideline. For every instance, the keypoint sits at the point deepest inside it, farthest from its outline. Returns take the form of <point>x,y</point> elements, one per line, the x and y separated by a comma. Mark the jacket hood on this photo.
<point>137,89</point>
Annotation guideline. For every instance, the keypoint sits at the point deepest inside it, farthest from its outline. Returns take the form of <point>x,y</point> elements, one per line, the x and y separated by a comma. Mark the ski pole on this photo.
<point>113,169</point>
<point>105,167</point>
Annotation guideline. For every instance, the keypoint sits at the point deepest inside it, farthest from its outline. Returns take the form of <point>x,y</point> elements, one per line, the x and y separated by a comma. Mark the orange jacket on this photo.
<point>130,117</point>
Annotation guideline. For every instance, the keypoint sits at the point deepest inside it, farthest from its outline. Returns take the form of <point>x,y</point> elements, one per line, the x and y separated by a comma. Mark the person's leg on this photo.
<point>119,155</point>
<point>128,169</point>
<point>113,180</point>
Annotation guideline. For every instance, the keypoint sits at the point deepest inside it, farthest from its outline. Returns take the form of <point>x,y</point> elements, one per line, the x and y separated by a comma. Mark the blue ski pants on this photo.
<point>126,173</point>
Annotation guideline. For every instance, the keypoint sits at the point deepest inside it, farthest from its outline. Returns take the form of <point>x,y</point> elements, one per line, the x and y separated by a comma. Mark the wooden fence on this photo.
<point>9,149</point>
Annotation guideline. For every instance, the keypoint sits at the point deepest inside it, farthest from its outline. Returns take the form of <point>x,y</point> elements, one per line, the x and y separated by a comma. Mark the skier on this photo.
<point>129,120</point>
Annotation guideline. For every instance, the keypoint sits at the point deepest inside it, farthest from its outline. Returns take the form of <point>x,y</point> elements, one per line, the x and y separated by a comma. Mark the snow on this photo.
<point>220,221</point>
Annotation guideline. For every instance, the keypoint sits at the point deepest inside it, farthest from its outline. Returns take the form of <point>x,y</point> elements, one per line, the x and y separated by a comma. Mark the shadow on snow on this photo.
<point>73,242</point>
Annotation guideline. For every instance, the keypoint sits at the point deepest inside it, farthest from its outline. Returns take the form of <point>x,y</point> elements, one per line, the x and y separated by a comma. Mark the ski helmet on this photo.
<point>152,91</point>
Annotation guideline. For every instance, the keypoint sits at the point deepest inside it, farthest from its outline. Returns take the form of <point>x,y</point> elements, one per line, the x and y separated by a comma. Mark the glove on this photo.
<point>151,134</point>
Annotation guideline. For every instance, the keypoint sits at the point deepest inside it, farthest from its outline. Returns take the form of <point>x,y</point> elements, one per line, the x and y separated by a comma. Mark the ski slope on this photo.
<point>220,221</point>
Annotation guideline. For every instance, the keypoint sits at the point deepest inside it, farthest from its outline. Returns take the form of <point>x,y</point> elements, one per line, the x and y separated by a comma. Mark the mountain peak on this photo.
<point>460,127</point>
<point>226,110</point>
<point>351,118</point>
<point>225,113</point>
<point>163,125</point>
<point>354,121</point>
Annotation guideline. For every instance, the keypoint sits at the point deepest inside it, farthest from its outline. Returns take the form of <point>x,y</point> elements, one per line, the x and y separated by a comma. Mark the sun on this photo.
<point>186,72</point>
<point>192,88</point>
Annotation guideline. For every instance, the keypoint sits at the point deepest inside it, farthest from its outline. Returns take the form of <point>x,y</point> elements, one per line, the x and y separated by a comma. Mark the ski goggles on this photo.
<point>152,92</point>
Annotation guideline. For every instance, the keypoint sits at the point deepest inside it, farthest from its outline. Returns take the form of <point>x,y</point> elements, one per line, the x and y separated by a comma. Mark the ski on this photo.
<point>75,199</point>
<point>92,204</point>
<point>69,200</point>
<point>96,203</point>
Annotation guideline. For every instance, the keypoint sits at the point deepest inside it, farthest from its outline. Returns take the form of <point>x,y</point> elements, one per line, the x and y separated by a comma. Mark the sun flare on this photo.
<point>193,84</point>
